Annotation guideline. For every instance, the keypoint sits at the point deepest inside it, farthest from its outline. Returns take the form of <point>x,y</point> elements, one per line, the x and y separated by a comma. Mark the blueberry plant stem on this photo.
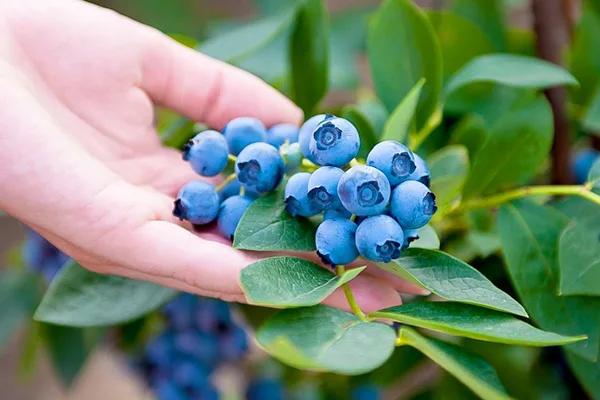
<point>355,163</point>
<point>340,269</point>
<point>232,158</point>
<point>309,165</point>
<point>583,191</point>
<point>225,182</point>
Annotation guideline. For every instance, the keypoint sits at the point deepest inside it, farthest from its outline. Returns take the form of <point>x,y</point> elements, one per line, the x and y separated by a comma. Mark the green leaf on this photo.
<point>470,369</point>
<point>398,124</point>
<point>584,59</point>
<point>366,130</point>
<point>309,56</point>
<point>488,15</point>
<point>266,226</point>
<point>587,372</point>
<point>428,239</point>
<point>18,296</point>
<point>69,349</point>
<point>449,167</point>
<point>529,234</point>
<point>512,70</point>
<point>78,297</point>
<point>451,279</point>
<point>515,147</point>
<point>579,257</point>
<point>591,117</point>
<point>240,42</point>
<point>321,338</point>
<point>290,282</point>
<point>594,175</point>
<point>402,49</point>
<point>452,29</point>
<point>472,322</point>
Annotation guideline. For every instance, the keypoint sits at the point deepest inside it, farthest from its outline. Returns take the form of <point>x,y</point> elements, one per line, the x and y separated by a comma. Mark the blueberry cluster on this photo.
<point>261,157</point>
<point>371,210</point>
<point>200,334</point>
<point>42,257</point>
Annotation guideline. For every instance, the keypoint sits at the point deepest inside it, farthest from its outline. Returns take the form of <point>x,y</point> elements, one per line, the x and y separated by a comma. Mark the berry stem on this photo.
<point>309,165</point>
<point>225,182</point>
<point>355,163</point>
<point>583,191</point>
<point>232,158</point>
<point>340,269</point>
<point>415,141</point>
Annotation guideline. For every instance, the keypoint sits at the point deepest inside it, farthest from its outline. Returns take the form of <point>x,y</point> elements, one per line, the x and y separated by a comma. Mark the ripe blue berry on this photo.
<point>259,167</point>
<point>582,163</point>
<point>233,343</point>
<point>165,390</point>
<point>190,373</point>
<point>230,213</point>
<point>335,142</point>
<point>336,213</point>
<point>412,204</point>
<point>394,159</point>
<point>197,202</point>
<point>366,392</point>
<point>335,241</point>
<point>198,344</point>
<point>207,153</point>
<point>364,190</point>
<point>322,187</point>
<point>421,172</point>
<point>292,156</point>
<point>41,256</point>
<point>265,389</point>
<point>379,238</point>
<point>306,131</point>
<point>410,235</point>
<point>231,189</point>
<point>296,198</point>
<point>240,132</point>
<point>282,133</point>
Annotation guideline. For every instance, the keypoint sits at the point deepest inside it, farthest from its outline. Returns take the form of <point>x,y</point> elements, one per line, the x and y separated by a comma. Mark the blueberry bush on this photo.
<point>460,160</point>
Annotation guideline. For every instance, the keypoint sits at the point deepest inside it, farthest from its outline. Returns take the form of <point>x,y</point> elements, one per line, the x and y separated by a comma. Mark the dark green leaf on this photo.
<point>398,124</point>
<point>584,59</point>
<point>449,167</point>
<point>512,70</point>
<point>451,279</point>
<point>579,257</point>
<point>177,132</point>
<point>78,297</point>
<point>428,239</point>
<point>594,175</point>
<point>529,235</point>
<point>18,296</point>
<point>69,349</point>
<point>472,322</point>
<point>452,29</point>
<point>591,117</point>
<point>242,41</point>
<point>366,130</point>
<point>309,58</point>
<point>284,282</point>
<point>470,369</point>
<point>587,372</point>
<point>402,49</point>
<point>266,226</point>
<point>516,146</point>
<point>488,15</point>
<point>322,338</point>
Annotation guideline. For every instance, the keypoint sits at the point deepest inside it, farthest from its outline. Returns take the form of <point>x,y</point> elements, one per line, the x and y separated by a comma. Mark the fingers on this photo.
<point>208,90</point>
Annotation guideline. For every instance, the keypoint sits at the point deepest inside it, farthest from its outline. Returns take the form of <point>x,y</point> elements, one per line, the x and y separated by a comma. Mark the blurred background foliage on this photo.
<point>260,36</point>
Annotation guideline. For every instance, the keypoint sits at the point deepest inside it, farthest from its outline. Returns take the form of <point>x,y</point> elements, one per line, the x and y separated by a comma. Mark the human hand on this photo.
<point>80,160</point>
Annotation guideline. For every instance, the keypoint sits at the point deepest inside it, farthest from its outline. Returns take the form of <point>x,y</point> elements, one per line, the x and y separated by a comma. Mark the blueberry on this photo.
<point>412,204</point>
<point>582,163</point>
<point>213,315</point>
<point>42,256</point>
<point>259,167</point>
<point>240,132</point>
<point>190,373</point>
<point>292,157</point>
<point>233,344</point>
<point>394,159</point>
<point>334,142</point>
<point>296,198</point>
<point>335,241</point>
<point>410,235</point>
<point>197,202</point>
<point>179,311</point>
<point>231,189</point>
<point>198,344</point>
<point>265,389</point>
<point>230,213</point>
<point>336,213</point>
<point>159,351</point>
<point>282,133</point>
<point>366,392</point>
<point>421,172</point>
<point>364,190</point>
<point>207,153</point>
<point>379,238</point>
<point>322,188</point>
<point>207,392</point>
<point>165,390</point>
<point>306,131</point>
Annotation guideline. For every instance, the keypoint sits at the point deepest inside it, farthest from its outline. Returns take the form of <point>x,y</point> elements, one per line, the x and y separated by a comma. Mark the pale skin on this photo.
<point>80,160</point>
